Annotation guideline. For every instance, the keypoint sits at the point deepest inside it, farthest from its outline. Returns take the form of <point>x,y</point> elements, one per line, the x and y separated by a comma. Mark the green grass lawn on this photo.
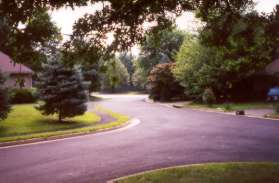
<point>233,106</point>
<point>212,173</point>
<point>25,122</point>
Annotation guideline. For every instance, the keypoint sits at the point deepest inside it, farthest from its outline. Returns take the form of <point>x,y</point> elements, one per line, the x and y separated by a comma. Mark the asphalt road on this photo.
<point>165,137</point>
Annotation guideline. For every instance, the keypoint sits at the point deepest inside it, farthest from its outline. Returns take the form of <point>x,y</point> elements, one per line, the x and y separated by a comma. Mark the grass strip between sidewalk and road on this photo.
<point>211,173</point>
<point>25,123</point>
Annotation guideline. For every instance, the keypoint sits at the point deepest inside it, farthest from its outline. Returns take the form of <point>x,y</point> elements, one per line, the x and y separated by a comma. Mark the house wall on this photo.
<point>12,80</point>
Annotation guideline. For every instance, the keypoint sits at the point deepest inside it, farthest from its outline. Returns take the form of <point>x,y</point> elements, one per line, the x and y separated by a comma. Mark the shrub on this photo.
<point>208,96</point>
<point>23,95</point>
<point>4,104</point>
<point>276,106</point>
<point>227,107</point>
<point>4,99</point>
<point>162,84</point>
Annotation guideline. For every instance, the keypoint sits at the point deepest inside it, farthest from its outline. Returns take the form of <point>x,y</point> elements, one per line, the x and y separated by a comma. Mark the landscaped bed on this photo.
<point>25,122</point>
<point>212,173</point>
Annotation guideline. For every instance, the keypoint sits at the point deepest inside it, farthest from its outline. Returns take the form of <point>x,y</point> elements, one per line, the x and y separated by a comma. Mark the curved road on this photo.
<point>165,137</point>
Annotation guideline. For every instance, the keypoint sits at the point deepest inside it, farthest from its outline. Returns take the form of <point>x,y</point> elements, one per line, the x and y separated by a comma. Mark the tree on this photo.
<point>162,84</point>
<point>140,75</point>
<point>93,75</point>
<point>4,99</point>
<point>127,59</point>
<point>224,55</point>
<point>157,48</point>
<point>62,90</point>
<point>126,19</point>
<point>199,67</point>
<point>115,76</point>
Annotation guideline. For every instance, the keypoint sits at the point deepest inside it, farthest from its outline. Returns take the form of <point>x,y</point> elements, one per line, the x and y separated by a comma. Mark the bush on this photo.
<point>4,99</point>
<point>4,104</point>
<point>276,106</point>
<point>162,84</point>
<point>23,95</point>
<point>208,96</point>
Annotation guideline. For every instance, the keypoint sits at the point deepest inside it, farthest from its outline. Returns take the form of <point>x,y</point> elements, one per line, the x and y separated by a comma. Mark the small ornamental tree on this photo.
<point>4,100</point>
<point>162,84</point>
<point>62,90</point>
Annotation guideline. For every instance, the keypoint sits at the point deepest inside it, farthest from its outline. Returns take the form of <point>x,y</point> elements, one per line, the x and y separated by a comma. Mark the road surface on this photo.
<point>165,137</point>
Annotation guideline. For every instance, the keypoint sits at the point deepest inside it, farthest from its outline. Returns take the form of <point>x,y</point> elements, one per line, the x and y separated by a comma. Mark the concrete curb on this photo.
<point>178,166</point>
<point>207,110</point>
<point>130,123</point>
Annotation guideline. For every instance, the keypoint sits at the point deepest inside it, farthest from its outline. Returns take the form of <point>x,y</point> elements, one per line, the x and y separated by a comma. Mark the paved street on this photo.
<point>165,137</point>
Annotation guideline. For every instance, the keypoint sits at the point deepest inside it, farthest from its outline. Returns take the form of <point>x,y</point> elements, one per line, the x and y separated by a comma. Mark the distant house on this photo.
<point>20,76</point>
<point>272,68</point>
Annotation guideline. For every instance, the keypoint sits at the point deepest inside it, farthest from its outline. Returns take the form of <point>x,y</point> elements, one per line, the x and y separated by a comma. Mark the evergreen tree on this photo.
<point>4,100</point>
<point>62,89</point>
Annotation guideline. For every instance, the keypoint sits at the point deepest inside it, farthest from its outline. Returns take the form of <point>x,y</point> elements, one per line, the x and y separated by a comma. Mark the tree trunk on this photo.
<point>60,117</point>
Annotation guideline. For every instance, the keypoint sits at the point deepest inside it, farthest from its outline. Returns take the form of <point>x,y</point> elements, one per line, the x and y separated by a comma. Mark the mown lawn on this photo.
<point>233,106</point>
<point>25,122</point>
<point>212,173</point>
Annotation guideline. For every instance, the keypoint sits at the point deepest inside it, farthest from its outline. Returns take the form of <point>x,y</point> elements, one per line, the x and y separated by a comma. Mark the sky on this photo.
<point>66,17</point>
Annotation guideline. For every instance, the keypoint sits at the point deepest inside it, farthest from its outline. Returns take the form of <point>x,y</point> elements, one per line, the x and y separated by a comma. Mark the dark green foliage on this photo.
<point>28,44</point>
<point>127,59</point>
<point>22,96</point>
<point>4,103</point>
<point>272,33</point>
<point>208,96</point>
<point>162,85</point>
<point>62,90</point>
<point>115,75</point>
<point>227,63</point>
<point>4,99</point>
<point>277,108</point>
<point>156,49</point>
<point>231,54</point>
<point>126,19</point>
<point>94,78</point>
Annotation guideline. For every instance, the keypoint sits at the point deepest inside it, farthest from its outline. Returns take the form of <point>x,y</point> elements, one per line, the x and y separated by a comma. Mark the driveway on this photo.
<point>165,137</point>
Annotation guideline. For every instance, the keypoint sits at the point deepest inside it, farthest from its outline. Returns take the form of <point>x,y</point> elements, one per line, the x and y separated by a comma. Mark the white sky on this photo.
<point>65,17</point>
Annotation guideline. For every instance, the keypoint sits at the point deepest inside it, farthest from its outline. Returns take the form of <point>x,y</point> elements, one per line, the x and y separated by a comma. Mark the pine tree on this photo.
<point>62,90</point>
<point>4,99</point>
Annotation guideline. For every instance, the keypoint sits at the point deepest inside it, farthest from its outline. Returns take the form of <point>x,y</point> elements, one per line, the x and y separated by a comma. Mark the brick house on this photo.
<point>19,76</point>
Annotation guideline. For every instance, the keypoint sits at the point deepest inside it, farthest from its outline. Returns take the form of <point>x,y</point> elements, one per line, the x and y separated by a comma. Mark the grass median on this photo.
<point>25,122</point>
<point>211,173</point>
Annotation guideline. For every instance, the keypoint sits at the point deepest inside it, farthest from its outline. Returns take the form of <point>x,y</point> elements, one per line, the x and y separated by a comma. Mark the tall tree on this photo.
<point>115,76</point>
<point>127,59</point>
<point>157,48</point>
<point>62,90</point>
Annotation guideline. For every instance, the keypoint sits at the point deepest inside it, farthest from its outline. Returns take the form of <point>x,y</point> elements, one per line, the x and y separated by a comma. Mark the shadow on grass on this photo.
<point>45,125</point>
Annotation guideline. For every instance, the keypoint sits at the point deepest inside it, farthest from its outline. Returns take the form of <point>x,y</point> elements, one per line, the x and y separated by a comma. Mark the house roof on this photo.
<point>272,67</point>
<point>7,65</point>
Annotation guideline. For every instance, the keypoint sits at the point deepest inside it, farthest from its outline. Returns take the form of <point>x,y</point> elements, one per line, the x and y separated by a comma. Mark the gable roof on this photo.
<point>272,67</point>
<point>7,65</point>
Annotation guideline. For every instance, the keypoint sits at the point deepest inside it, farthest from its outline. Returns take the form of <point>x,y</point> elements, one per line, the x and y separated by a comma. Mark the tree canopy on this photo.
<point>27,40</point>
<point>125,18</point>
